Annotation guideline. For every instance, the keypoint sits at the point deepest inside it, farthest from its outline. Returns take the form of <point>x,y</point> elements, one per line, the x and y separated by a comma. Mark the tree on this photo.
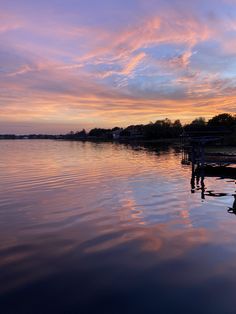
<point>81,134</point>
<point>177,124</point>
<point>223,119</point>
<point>115,129</point>
<point>199,122</point>
<point>102,133</point>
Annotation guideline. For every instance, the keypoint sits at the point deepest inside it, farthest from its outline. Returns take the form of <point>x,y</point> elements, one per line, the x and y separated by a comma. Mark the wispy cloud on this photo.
<point>76,67</point>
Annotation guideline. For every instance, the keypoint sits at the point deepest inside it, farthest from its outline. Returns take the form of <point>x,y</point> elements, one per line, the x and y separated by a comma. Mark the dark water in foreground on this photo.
<point>105,228</point>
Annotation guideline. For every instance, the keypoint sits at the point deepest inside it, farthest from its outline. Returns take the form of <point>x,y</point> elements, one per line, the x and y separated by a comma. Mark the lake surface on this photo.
<point>110,228</point>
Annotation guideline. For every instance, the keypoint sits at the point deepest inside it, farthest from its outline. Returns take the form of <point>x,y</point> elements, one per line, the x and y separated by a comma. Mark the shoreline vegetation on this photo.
<point>162,131</point>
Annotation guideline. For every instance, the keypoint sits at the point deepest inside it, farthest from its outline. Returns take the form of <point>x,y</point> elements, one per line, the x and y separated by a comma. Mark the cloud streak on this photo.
<point>162,61</point>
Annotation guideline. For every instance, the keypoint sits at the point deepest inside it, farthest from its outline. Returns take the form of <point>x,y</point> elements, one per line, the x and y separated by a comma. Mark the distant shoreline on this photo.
<point>221,127</point>
<point>99,140</point>
<point>163,141</point>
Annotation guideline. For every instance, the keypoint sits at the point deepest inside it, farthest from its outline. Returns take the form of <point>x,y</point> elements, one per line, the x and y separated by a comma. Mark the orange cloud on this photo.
<point>87,73</point>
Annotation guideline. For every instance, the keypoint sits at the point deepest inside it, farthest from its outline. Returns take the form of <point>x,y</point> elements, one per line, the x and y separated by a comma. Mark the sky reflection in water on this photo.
<point>88,228</point>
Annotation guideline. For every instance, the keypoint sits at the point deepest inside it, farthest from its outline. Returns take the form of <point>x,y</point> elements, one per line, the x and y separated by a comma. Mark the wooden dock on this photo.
<point>194,149</point>
<point>208,164</point>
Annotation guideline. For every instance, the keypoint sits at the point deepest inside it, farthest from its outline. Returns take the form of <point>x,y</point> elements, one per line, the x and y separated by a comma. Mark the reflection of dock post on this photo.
<point>193,157</point>
<point>198,173</point>
<point>202,164</point>
<point>202,184</point>
<point>193,179</point>
<point>232,210</point>
<point>202,154</point>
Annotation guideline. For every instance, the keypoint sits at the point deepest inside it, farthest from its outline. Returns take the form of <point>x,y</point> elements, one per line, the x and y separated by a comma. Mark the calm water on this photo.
<point>105,228</point>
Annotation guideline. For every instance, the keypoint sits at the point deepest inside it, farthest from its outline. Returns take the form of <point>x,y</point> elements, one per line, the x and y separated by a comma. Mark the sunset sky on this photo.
<point>72,64</point>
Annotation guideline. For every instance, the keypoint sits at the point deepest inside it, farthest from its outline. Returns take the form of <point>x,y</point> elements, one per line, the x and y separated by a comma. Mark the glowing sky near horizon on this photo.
<point>69,64</point>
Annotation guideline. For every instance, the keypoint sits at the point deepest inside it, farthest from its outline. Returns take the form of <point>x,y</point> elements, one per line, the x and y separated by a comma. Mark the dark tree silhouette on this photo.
<point>223,119</point>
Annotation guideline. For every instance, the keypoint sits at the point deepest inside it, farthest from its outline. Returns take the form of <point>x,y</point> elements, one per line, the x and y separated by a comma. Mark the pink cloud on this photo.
<point>82,72</point>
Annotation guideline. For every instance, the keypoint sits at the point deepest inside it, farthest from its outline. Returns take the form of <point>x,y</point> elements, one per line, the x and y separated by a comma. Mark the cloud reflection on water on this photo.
<point>84,223</point>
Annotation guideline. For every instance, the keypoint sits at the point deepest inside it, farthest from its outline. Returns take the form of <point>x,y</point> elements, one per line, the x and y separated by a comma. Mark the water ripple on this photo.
<point>74,215</point>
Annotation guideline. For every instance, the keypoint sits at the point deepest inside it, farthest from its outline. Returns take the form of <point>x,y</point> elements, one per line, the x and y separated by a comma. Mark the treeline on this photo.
<point>161,129</point>
<point>29,136</point>
<point>223,120</point>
